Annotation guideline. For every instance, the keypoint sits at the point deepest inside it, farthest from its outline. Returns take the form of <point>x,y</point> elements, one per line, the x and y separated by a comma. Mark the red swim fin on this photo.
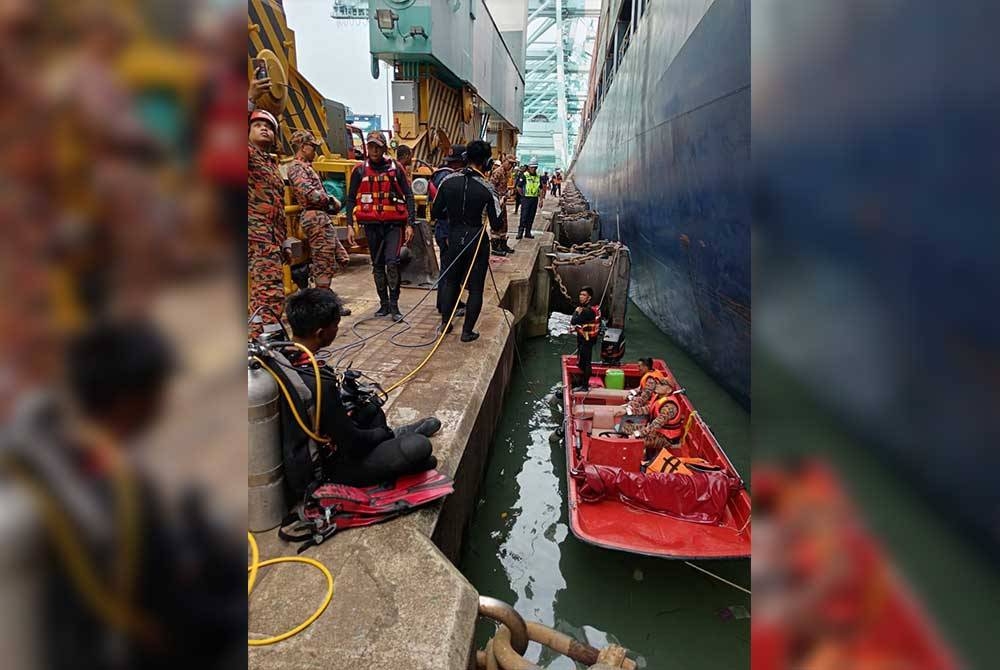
<point>333,507</point>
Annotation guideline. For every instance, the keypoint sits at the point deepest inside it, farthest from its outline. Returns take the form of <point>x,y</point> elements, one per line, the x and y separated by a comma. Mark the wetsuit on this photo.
<point>362,456</point>
<point>466,199</point>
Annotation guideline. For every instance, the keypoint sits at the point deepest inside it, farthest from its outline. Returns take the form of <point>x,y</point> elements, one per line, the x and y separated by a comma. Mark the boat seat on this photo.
<point>602,393</point>
<point>600,417</point>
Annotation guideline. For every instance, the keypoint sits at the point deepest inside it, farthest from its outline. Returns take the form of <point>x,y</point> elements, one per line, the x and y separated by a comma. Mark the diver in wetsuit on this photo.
<point>362,455</point>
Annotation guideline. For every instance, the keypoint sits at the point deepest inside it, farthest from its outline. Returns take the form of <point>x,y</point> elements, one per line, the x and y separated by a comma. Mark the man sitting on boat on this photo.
<point>666,420</point>
<point>642,395</point>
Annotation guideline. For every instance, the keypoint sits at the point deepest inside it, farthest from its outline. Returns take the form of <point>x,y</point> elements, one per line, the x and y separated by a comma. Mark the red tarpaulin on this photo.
<point>699,497</point>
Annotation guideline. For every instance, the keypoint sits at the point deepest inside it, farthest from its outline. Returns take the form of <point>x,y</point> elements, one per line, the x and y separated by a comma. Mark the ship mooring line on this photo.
<point>715,576</point>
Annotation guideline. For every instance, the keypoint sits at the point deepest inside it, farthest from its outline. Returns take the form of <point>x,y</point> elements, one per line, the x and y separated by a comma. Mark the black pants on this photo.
<point>393,458</point>
<point>462,246</point>
<point>585,352</point>
<point>528,209</point>
<point>441,236</point>
<point>384,242</point>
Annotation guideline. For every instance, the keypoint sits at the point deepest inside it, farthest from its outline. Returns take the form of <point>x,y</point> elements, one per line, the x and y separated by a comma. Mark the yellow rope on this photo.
<point>444,329</point>
<point>256,564</point>
<point>687,424</point>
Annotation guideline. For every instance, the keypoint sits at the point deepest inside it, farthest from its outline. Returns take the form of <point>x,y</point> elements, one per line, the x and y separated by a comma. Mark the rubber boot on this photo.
<point>382,287</point>
<point>392,274</point>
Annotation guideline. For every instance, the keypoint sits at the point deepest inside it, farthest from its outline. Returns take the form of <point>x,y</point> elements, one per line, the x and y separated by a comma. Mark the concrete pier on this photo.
<point>399,601</point>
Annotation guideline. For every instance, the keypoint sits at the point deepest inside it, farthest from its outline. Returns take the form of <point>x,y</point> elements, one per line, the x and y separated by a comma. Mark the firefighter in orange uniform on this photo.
<point>666,420</point>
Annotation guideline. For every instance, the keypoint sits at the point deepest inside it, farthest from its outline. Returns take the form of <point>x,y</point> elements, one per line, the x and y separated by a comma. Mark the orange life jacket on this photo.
<point>652,374</point>
<point>379,198</point>
<point>667,462</point>
<point>589,331</point>
<point>674,429</point>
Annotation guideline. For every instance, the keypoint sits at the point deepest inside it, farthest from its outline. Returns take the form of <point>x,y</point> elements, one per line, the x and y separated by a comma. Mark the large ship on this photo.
<point>664,157</point>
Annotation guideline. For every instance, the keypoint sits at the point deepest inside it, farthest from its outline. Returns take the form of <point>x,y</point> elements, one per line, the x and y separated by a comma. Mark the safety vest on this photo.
<point>379,198</point>
<point>665,462</point>
<point>532,184</point>
<point>653,374</point>
<point>590,330</point>
<point>674,429</point>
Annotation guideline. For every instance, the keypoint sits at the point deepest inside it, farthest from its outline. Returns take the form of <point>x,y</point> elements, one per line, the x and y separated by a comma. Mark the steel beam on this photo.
<point>563,149</point>
<point>540,30</point>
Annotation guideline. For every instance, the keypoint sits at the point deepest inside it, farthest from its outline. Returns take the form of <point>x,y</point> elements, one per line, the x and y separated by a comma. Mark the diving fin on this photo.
<point>332,507</point>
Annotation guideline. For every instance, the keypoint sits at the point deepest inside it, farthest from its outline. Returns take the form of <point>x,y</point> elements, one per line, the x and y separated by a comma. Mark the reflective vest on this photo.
<point>665,462</point>
<point>380,198</point>
<point>673,429</point>
<point>532,184</point>
<point>588,331</point>
<point>653,374</point>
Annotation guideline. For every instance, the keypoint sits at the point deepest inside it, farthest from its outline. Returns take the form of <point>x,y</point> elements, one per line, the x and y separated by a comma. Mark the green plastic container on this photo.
<point>614,379</point>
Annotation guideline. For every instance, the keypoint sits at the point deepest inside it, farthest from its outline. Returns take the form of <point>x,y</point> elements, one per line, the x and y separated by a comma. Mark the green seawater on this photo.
<point>520,548</point>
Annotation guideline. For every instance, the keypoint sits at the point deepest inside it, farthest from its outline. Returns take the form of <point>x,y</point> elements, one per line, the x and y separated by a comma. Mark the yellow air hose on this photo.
<point>256,564</point>
<point>444,330</point>
<point>291,404</point>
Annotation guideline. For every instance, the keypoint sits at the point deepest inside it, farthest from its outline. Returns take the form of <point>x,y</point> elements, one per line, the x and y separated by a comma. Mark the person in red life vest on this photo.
<point>586,323</point>
<point>380,199</point>
<point>666,420</point>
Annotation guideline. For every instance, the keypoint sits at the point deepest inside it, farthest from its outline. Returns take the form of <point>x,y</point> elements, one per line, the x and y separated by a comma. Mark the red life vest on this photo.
<point>589,331</point>
<point>673,429</point>
<point>665,462</point>
<point>380,198</point>
<point>652,374</point>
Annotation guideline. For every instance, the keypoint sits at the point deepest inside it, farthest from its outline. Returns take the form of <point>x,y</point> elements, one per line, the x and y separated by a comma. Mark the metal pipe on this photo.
<point>506,656</point>
<point>567,646</point>
<point>499,611</point>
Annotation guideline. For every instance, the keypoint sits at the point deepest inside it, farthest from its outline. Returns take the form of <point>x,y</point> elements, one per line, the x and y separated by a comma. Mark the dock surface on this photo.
<point>399,600</point>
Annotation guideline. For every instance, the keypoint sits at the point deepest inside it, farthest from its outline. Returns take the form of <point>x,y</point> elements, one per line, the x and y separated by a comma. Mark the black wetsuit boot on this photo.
<point>392,273</point>
<point>382,287</point>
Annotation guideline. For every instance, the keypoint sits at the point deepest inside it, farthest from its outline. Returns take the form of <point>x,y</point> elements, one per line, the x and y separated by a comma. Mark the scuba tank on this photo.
<point>265,471</point>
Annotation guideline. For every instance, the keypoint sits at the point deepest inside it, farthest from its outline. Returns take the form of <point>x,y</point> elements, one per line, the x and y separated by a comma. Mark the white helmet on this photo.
<point>533,162</point>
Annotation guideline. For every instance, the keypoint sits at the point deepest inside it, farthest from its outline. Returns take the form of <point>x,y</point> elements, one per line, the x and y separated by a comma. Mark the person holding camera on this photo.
<point>364,449</point>
<point>379,198</point>
<point>317,206</point>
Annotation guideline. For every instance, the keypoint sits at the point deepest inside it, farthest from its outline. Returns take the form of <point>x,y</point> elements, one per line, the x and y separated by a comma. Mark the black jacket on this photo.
<point>465,199</point>
<point>581,318</point>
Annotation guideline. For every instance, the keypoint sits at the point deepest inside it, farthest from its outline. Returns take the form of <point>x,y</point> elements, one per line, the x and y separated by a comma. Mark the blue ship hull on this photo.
<point>666,163</point>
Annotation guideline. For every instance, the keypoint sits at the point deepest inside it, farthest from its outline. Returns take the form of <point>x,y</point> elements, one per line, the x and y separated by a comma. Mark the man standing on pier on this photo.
<point>379,197</point>
<point>465,199</point>
<point>317,205</point>
<point>265,224</point>
<point>499,176</point>
<point>528,185</point>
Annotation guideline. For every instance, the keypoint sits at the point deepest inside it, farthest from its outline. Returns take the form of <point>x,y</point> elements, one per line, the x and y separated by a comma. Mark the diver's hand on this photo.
<point>408,234</point>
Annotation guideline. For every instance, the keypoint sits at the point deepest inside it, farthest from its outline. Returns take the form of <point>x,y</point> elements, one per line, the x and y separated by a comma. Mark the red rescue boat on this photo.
<point>615,505</point>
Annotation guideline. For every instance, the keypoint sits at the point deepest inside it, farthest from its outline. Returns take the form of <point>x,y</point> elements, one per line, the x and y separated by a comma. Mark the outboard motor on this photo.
<point>613,346</point>
<point>265,471</point>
